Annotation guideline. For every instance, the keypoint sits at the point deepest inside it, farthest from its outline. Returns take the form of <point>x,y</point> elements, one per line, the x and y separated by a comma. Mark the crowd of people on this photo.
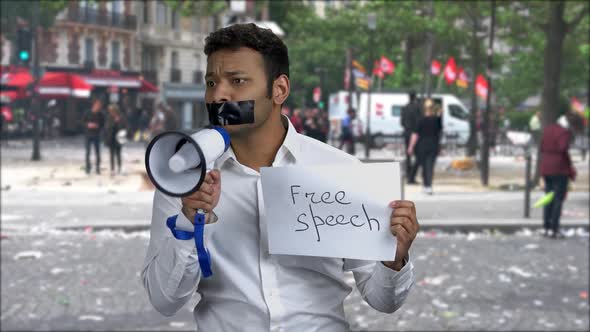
<point>115,127</point>
<point>311,122</point>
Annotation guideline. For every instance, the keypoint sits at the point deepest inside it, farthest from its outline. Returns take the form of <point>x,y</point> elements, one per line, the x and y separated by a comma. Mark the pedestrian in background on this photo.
<point>297,120</point>
<point>556,169</point>
<point>115,136</point>
<point>425,142</point>
<point>170,119</point>
<point>535,127</point>
<point>93,123</point>
<point>157,121</point>
<point>347,132</point>
<point>409,119</point>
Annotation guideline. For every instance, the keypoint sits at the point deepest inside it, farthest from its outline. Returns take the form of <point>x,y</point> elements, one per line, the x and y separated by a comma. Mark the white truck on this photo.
<point>386,115</point>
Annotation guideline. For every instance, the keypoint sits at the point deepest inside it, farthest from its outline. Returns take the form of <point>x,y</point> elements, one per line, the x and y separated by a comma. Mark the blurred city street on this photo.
<point>485,106</point>
<point>77,242</point>
<point>58,280</point>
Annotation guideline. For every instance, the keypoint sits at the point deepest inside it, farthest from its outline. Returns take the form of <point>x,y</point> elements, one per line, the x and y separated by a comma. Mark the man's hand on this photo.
<point>205,198</point>
<point>404,226</point>
<point>92,125</point>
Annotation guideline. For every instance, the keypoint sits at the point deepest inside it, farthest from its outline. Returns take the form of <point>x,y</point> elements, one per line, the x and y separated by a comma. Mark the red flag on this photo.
<point>377,70</point>
<point>461,78</point>
<point>435,67</point>
<point>481,87</point>
<point>450,71</point>
<point>387,66</point>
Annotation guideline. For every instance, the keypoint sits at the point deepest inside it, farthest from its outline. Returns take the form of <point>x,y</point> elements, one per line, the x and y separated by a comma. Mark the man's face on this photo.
<point>236,75</point>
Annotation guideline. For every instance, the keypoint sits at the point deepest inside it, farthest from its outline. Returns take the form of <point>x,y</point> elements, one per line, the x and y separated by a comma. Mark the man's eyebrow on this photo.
<point>227,73</point>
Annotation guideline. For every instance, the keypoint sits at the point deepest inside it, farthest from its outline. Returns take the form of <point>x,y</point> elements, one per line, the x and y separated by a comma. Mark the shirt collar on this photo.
<point>291,145</point>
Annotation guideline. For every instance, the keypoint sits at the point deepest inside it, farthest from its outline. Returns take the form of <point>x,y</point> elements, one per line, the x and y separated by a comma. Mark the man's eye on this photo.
<point>238,80</point>
<point>210,84</point>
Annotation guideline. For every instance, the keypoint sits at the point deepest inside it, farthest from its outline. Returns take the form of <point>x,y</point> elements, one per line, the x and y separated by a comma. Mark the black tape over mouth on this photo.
<point>231,112</point>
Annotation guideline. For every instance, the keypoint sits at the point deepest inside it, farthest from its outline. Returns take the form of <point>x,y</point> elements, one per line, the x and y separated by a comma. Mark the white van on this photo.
<point>386,115</point>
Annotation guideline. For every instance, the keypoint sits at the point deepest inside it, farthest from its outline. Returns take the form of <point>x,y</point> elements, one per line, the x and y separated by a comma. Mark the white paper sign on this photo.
<point>331,211</point>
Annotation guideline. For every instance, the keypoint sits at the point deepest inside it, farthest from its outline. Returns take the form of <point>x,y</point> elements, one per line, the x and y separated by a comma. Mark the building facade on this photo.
<point>171,55</point>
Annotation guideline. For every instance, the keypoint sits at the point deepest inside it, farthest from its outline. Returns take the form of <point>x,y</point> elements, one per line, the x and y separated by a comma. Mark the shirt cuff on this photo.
<point>391,278</point>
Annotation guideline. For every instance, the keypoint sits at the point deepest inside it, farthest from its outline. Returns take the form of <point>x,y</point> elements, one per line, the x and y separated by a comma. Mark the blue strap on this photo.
<point>202,252</point>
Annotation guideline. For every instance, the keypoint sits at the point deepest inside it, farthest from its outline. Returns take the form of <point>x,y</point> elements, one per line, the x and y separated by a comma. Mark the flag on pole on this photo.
<point>362,83</point>
<point>435,67</point>
<point>377,70</point>
<point>387,66</point>
<point>357,65</point>
<point>481,87</point>
<point>461,78</point>
<point>450,70</point>
<point>577,105</point>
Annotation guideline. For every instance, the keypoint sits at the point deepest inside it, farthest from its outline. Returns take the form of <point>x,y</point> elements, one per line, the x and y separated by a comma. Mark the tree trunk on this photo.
<point>554,35</point>
<point>472,142</point>
<point>408,63</point>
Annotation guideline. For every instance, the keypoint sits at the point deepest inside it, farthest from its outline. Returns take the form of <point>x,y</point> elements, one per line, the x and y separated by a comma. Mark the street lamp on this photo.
<point>372,25</point>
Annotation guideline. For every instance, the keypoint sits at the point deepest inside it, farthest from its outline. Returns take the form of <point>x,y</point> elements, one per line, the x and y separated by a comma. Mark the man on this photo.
<point>410,115</point>
<point>251,290</point>
<point>347,132</point>
<point>93,124</point>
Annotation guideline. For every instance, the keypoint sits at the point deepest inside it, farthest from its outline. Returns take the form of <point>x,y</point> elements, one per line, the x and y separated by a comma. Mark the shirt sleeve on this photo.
<point>382,288</point>
<point>171,271</point>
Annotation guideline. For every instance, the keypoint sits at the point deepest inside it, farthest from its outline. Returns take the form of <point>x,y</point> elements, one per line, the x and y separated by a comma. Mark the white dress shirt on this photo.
<point>251,290</point>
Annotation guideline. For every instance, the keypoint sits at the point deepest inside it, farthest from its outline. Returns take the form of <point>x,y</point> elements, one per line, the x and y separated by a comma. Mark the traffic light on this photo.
<point>24,43</point>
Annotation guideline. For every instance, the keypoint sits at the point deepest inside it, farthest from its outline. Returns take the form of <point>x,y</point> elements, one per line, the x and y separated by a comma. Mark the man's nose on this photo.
<point>220,93</point>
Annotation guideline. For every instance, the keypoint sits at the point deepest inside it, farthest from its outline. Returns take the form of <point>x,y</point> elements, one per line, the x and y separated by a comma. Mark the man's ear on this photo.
<point>280,89</point>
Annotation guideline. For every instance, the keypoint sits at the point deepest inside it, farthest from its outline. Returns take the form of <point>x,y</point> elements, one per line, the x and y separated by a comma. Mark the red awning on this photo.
<point>59,84</point>
<point>112,78</point>
<point>19,78</point>
<point>147,86</point>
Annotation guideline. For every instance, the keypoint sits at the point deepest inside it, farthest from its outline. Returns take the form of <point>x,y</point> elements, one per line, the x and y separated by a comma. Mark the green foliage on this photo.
<point>12,10</point>
<point>197,7</point>
<point>519,120</point>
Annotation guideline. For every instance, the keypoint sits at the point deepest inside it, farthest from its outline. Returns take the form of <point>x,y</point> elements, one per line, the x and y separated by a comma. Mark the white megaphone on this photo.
<point>177,162</point>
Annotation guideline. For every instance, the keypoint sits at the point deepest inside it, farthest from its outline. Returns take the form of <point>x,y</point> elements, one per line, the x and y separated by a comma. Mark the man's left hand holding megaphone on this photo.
<point>181,165</point>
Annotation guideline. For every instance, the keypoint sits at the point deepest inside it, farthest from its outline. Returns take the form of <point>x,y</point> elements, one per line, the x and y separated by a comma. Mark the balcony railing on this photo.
<point>87,15</point>
<point>175,75</point>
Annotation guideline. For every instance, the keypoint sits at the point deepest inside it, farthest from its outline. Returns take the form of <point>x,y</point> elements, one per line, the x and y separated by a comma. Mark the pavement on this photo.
<point>459,200</point>
<point>90,281</point>
<point>72,247</point>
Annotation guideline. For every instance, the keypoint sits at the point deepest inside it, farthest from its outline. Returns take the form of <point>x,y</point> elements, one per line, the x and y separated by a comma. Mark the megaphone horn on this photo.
<point>177,163</point>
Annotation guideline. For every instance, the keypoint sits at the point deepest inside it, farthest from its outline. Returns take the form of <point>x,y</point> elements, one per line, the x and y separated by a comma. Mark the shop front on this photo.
<point>188,102</point>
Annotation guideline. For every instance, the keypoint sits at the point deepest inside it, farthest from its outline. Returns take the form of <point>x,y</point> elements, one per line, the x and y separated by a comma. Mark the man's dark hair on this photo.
<point>412,95</point>
<point>264,41</point>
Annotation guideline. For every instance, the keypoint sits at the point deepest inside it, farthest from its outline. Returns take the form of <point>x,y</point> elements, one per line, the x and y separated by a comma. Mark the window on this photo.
<point>116,7</point>
<point>458,112</point>
<point>175,20</point>
<point>146,12</point>
<point>396,110</point>
<point>161,11</point>
<point>89,48</point>
<point>115,52</point>
<point>174,60</point>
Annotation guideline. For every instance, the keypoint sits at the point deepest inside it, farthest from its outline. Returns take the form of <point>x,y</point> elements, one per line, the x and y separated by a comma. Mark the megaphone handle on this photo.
<point>202,252</point>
